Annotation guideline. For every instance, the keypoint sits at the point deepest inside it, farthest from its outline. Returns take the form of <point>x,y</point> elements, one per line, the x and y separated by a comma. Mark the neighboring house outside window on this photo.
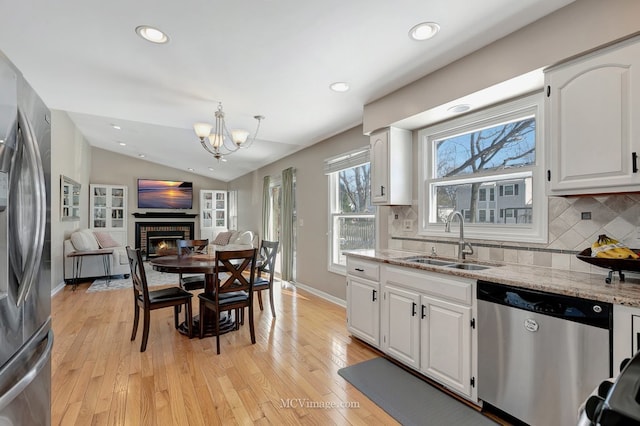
<point>488,166</point>
<point>352,220</point>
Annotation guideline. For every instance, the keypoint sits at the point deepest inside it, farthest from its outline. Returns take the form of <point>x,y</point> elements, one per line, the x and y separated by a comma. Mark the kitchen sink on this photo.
<point>427,261</point>
<point>467,266</point>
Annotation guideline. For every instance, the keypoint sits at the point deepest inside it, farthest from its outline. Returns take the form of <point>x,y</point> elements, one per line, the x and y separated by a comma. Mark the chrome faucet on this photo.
<point>462,244</point>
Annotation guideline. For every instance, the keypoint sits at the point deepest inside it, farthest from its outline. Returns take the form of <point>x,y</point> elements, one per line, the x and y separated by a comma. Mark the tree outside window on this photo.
<point>352,214</point>
<point>482,164</point>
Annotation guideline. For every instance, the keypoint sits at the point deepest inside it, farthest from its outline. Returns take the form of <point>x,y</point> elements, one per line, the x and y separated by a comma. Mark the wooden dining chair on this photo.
<point>155,299</point>
<point>234,274</point>
<point>268,252</point>
<point>188,248</point>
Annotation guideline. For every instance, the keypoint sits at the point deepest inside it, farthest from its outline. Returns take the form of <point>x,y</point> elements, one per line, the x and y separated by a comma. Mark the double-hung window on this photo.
<point>488,166</point>
<point>352,220</point>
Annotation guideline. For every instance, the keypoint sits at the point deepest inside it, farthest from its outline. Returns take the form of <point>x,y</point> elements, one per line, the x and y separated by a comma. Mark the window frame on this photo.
<point>531,105</point>
<point>334,215</point>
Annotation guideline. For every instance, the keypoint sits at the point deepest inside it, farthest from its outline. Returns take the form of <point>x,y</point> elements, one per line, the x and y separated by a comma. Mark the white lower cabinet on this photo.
<point>428,324</point>
<point>626,334</point>
<point>363,309</point>
<point>363,300</point>
<point>445,343</point>
<point>402,325</point>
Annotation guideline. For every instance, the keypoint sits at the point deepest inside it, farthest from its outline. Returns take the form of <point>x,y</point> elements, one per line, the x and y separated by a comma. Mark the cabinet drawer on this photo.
<point>362,268</point>
<point>441,285</point>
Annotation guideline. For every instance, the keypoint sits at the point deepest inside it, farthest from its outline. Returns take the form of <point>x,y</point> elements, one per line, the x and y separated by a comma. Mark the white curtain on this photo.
<point>288,204</point>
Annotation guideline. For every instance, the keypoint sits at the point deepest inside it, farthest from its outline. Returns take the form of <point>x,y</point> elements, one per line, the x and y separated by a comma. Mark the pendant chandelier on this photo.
<point>217,139</point>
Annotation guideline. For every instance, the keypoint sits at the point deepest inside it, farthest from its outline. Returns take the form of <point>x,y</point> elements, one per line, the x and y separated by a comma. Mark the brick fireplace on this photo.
<point>154,237</point>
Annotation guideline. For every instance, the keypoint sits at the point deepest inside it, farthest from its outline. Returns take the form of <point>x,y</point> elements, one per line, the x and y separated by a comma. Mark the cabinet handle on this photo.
<point>413,309</point>
<point>634,161</point>
<point>381,190</point>
<point>374,293</point>
<point>424,314</point>
<point>359,269</point>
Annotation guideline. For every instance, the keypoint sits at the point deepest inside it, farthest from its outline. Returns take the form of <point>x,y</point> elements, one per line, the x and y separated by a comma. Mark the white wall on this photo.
<point>71,157</point>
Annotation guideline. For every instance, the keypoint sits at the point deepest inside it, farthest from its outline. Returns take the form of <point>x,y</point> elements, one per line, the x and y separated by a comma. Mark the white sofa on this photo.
<point>93,266</point>
<point>233,240</point>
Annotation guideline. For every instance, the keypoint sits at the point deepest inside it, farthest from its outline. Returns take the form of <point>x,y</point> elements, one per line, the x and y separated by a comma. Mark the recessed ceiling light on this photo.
<point>424,31</point>
<point>115,126</point>
<point>122,144</point>
<point>339,86</point>
<point>151,34</point>
<point>190,169</point>
<point>211,168</point>
<point>141,155</point>
<point>457,109</point>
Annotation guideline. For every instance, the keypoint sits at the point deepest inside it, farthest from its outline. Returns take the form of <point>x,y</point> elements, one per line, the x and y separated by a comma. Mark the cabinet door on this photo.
<point>108,210</point>
<point>402,322</point>
<point>626,334</point>
<point>98,207</point>
<point>593,107</point>
<point>213,213</point>
<point>363,309</point>
<point>445,343</point>
<point>117,202</point>
<point>379,157</point>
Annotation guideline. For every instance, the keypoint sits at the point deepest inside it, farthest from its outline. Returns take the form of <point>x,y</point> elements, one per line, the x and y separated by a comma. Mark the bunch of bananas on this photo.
<point>609,248</point>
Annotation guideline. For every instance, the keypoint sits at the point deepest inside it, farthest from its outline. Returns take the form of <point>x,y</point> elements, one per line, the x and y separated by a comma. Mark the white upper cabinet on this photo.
<point>593,122</point>
<point>108,210</point>
<point>391,167</point>
<point>213,213</point>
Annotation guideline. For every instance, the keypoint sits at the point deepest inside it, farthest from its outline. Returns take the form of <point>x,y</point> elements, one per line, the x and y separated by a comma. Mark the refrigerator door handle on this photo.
<point>36,175</point>
<point>18,359</point>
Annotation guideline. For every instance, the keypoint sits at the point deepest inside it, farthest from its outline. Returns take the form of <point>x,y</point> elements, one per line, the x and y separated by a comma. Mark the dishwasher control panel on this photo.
<point>584,311</point>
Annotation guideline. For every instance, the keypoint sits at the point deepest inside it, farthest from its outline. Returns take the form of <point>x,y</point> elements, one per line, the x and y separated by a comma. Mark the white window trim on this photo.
<point>538,233</point>
<point>354,158</point>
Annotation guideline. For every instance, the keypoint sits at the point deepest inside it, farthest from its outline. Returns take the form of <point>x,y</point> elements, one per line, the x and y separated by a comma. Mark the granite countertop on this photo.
<point>577,284</point>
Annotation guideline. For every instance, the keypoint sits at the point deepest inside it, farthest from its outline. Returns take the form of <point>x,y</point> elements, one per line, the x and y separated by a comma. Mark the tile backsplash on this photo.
<point>574,224</point>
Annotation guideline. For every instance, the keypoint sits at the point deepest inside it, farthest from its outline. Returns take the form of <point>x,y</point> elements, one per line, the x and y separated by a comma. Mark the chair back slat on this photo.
<point>189,247</point>
<point>235,270</point>
<point>138,275</point>
<point>268,253</point>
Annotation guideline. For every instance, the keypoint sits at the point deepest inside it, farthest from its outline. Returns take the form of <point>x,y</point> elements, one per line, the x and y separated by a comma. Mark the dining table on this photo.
<point>197,264</point>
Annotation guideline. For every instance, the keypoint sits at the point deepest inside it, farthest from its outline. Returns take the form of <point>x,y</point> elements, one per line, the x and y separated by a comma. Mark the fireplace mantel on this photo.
<point>165,215</point>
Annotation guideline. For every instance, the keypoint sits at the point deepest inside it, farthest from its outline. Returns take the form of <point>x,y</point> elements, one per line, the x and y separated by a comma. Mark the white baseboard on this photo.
<point>57,289</point>
<point>319,293</point>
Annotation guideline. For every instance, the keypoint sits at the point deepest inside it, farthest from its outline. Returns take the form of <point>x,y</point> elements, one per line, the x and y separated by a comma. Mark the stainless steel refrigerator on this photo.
<point>26,338</point>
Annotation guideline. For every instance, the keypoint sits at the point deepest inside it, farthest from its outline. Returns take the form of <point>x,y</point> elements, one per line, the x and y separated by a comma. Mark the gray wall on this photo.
<point>579,27</point>
<point>576,28</point>
<point>312,203</point>
<point>114,169</point>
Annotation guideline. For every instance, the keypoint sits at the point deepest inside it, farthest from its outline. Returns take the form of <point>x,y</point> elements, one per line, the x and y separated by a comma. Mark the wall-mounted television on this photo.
<point>164,194</point>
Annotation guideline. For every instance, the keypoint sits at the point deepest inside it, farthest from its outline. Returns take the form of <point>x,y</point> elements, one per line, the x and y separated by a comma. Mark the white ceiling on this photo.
<point>258,57</point>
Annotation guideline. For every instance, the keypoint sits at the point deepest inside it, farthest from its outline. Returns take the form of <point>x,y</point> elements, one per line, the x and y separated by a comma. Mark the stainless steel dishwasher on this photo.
<point>539,354</point>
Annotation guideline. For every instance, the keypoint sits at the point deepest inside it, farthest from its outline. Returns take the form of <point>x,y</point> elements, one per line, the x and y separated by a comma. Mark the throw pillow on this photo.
<point>222,239</point>
<point>84,240</point>
<point>105,240</point>
<point>245,238</point>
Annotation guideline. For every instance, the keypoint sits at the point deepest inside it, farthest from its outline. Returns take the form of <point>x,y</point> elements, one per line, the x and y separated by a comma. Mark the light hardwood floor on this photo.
<point>99,377</point>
